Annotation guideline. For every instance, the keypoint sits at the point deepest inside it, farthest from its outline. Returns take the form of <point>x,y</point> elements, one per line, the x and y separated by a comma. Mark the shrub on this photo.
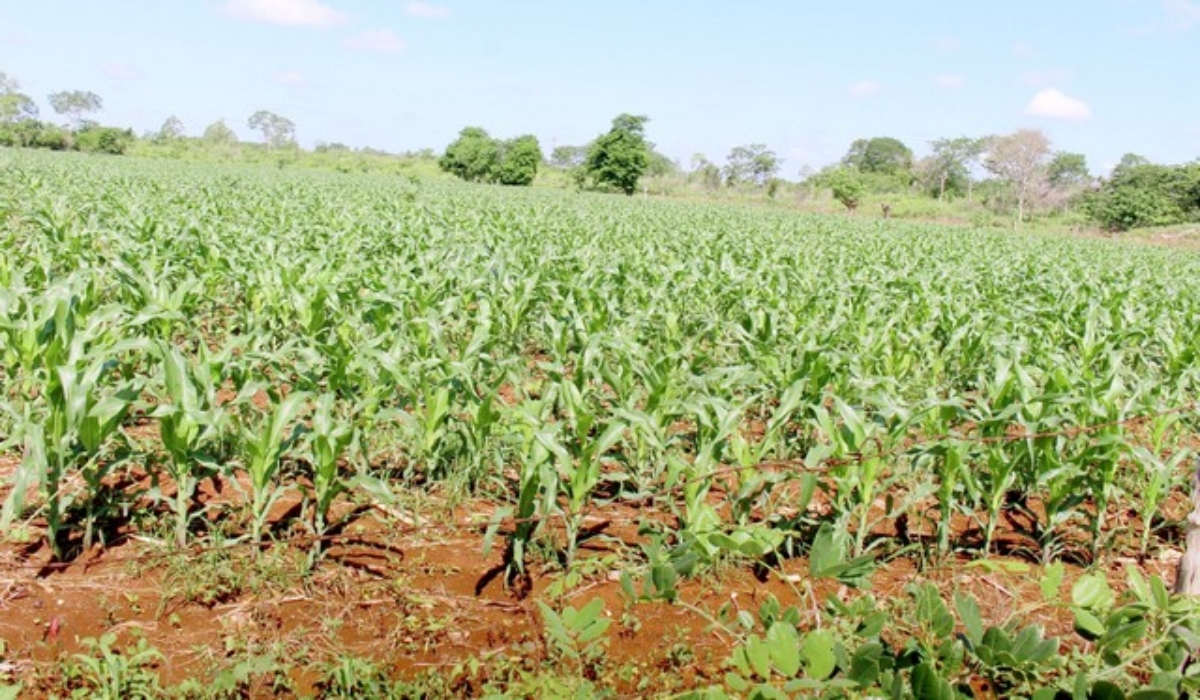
<point>104,139</point>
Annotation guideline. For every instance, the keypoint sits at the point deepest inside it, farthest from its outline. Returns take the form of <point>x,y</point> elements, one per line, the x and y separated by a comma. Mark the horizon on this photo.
<point>805,81</point>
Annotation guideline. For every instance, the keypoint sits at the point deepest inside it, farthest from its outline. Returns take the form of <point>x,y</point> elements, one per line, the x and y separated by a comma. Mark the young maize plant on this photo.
<point>552,351</point>
<point>192,424</point>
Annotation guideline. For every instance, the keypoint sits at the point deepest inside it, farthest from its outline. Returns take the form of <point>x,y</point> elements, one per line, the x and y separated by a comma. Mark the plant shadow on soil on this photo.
<point>414,598</point>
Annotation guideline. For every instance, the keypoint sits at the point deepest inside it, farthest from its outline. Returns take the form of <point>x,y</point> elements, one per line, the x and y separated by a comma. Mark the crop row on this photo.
<point>320,334</point>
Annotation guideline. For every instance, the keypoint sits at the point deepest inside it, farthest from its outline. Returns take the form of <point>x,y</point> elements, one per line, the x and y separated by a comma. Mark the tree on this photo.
<point>473,156</point>
<point>619,158</point>
<point>1068,170</point>
<point>1143,194</point>
<point>659,165</point>
<point>567,157</point>
<point>171,129</point>
<point>1128,162</point>
<point>218,133</point>
<point>277,131</point>
<point>519,160</point>
<point>949,166</point>
<point>882,154</point>
<point>1020,160</point>
<point>74,104</point>
<point>14,106</point>
<point>705,172</point>
<point>755,164</point>
<point>477,157</point>
<point>847,186</point>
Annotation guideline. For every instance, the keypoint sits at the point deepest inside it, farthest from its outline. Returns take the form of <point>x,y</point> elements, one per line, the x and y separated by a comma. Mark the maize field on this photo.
<point>750,386</point>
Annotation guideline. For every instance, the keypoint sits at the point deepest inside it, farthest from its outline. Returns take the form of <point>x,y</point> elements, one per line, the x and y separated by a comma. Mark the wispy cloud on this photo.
<point>426,10</point>
<point>864,88</point>
<point>16,39</point>
<point>1051,103</point>
<point>292,13</point>
<point>290,78</point>
<point>377,40</point>
<point>949,81</point>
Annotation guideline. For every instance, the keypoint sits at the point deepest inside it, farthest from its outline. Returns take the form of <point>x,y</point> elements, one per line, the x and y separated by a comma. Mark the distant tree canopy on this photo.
<point>171,129</point>
<point>754,164</point>
<point>659,165</point>
<point>277,131</point>
<point>619,158</point>
<point>1019,159</point>
<point>477,157</point>
<point>19,125</point>
<point>705,172</point>
<point>15,106</point>
<point>219,133</point>
<point>1068,170</point>
<point>1143,194</point>
<point>567,157</point>
<point>882,155</point>
<point>75,104</point>
<point>947,170</point>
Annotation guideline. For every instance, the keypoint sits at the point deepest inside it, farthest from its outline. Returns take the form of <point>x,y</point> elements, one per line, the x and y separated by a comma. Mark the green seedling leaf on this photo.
<point>736,682</point>
<point>1088,625</point>
<point>758,653</point>
<point>1091,591</point>
<point>999,565</point>
<point>818,656</point>
<point>1051,582</point>
<point>928,685</point>
<point>784,645</point>
<point>969,615</point>
<point>1104,690</point>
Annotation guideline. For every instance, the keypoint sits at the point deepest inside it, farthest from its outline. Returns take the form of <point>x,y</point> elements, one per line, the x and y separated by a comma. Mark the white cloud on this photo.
<point>426,10</point>
<point>290,78</point>
<point>863,88</point>
<point>1053,104</point>
<point>378,40</point>
<point>949,81</point>
<point>292,13</point>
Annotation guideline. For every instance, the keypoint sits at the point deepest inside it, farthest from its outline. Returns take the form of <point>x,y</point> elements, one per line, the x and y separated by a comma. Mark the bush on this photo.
<point>104,139</point>
<point>52,137</point>
<point>519,160</point>
<point>476,157</point>
<point>1147,195</point>
<point>618,159</point>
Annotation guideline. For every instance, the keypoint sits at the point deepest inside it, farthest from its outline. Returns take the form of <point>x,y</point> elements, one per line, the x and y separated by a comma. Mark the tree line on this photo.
<point>1018,173</point>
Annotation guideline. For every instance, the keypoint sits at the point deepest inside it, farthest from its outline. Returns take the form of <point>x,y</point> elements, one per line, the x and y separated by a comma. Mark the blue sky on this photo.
<point>1101,77</point>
